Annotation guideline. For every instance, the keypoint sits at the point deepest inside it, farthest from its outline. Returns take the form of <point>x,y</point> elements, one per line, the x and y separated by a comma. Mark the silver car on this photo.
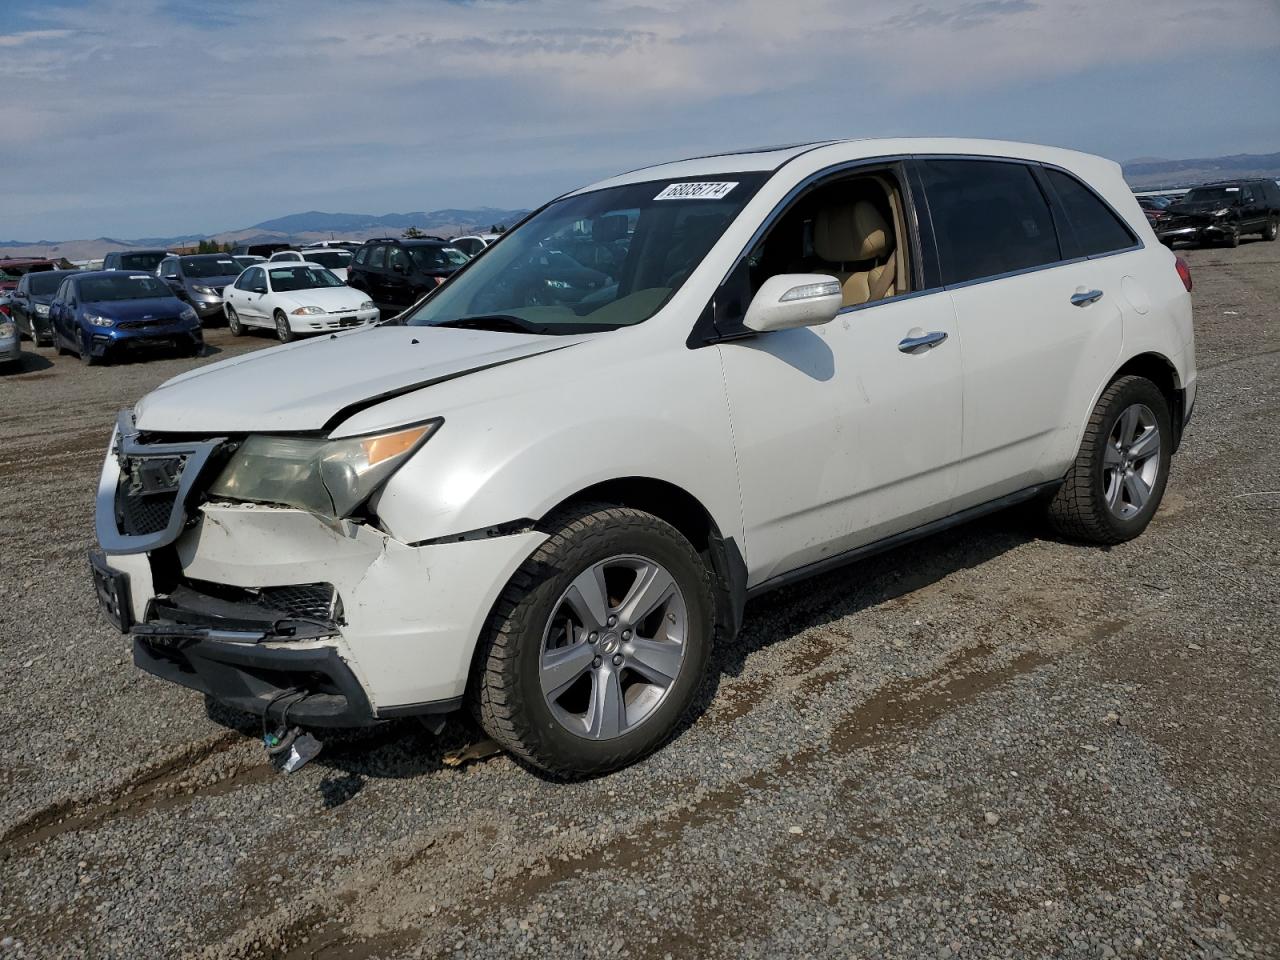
<point>10,345</point>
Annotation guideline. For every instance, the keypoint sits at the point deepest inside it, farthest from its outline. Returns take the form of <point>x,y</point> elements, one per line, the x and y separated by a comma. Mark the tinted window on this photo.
<point>140,261</point>
<point>168,268</point>
<point>209,266</point>
<point>437,258</point>
<point>362,255</point>
<point>989,218</point>
<point>327,258</point>
<point>397,259</point>
<point>378,258</point>
<point>1096,229</point>
<point>42,284</point>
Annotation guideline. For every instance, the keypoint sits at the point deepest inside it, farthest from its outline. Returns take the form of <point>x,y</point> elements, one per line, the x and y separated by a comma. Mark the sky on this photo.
<point>134,118</point>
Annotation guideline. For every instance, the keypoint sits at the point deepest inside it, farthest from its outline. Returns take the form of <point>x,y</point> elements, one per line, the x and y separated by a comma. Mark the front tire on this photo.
<point>596,649</point>
<point>233,322</point>
<point>86,355</point>
<point>284,333</point>
<point>1272,228</point>
<point>1118,479</point>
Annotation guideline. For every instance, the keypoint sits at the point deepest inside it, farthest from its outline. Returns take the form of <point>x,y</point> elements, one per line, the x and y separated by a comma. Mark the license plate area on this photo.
<point>112,588</point>
<point>348,321</point>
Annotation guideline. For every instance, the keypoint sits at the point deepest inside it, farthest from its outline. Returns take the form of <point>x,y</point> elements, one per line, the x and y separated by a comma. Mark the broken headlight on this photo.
<point>330,478</point>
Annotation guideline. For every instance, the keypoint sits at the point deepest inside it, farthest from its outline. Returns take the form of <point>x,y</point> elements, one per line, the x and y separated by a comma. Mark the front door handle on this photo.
<point>909,344</point>
<point>1082,298</point>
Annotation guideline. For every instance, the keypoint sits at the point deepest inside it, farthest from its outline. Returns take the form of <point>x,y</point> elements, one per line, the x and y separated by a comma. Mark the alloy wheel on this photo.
<point>1131,461</point>
<point>613,647</point>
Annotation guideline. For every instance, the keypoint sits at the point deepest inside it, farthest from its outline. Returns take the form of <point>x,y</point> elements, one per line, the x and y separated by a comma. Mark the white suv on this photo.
<point>545,489</point>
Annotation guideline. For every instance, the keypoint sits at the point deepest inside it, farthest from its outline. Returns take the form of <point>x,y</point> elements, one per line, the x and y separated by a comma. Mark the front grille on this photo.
<point>146,324</point>
<point>145,514</point>
<point>147,493</point>
<point>311,601</point>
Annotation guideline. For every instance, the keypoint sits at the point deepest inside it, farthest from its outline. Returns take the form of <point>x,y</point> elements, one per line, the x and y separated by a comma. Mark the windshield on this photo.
<point>199,267</point>
<point>327,258</point>
<point>596,261</point>
<point>302,278</point>
<point>431,257</point>
<point>1224,196</point>
<point>122,287</point>
<point>43,284</point>
<point>140,261</point>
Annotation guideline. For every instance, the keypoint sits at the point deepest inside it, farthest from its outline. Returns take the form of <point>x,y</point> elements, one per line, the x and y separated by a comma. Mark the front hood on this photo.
<point>216,282</point>
<point>328,298</point>
<point>314,384</point>
<point>1200,209</point>
<point>148,309</point>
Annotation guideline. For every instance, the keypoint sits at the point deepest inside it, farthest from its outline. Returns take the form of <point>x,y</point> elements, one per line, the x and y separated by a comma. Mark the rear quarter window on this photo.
<point>1092,227</point>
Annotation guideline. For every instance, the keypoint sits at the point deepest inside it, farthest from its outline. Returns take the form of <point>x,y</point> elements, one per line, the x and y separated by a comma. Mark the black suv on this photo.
<point>144,261</point>
<point>1221,212</point>
<point>398,273</point>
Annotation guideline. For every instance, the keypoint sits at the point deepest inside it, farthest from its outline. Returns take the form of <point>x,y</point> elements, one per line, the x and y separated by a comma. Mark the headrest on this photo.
<point>850,231</point>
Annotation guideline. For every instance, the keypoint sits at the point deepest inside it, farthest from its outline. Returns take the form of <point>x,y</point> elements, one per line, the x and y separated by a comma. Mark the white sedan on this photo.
<point>294,298</point>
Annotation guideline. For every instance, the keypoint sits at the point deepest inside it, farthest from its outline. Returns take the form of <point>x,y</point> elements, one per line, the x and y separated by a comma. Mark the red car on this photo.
<point>12,269</point>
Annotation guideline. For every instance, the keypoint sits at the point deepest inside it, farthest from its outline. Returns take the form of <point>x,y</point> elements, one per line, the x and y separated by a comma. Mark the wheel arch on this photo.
<point>675,505</point>
<point>1160,370</point>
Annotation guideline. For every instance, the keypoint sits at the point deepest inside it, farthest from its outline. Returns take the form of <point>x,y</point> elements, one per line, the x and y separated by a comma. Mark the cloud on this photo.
<point>241,109</point>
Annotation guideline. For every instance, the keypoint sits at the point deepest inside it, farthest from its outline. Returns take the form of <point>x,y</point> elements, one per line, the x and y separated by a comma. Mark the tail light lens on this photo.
<point>1184,272</point>
<point>4,310</point>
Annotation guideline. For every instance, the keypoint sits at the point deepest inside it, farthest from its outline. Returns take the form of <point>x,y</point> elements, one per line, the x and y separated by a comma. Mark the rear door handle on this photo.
<point>1083,298</point>
<point>926,340</point>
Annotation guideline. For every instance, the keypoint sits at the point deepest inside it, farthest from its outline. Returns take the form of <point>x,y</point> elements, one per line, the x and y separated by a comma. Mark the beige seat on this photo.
<point>854,233</point>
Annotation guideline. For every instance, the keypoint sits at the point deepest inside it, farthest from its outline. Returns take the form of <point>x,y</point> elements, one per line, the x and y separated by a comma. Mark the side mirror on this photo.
<point>794,300</point>
<point>259,289</point>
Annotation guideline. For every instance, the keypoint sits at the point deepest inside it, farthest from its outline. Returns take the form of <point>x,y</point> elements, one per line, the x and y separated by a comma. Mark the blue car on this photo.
<point>101,314</point>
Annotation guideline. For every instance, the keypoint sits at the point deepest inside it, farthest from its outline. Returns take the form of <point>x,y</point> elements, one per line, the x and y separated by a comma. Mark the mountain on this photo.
<point>1150,174</point>
<point>297,228</point>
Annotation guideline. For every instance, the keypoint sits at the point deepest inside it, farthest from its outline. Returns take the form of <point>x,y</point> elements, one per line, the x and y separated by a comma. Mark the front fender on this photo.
<point>511,455</point>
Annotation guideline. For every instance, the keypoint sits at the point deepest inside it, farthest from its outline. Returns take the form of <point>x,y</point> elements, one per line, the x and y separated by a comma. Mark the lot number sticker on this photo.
<point>703,190</point>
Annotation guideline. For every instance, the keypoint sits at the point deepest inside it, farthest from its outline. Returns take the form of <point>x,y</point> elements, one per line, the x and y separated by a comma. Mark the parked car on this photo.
<point>199,280</point>
<point>1221,212</point>
<point>336,261</point>
<point>1154,209</point>
<point>348,245</point>
<point>263,250</point>
<point>143,260</point>
<point>246,260</point>
<point>396,273</point>
<point>102,314</point>
<point>473,244</point>
<point>293,299</point>
<point>10,341</point>
<point>551,508</point>
<point>29,304</point>
<point>13,269</point>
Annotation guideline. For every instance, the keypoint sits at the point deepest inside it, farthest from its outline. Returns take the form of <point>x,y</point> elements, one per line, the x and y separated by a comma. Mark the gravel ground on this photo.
<point>987,744</point>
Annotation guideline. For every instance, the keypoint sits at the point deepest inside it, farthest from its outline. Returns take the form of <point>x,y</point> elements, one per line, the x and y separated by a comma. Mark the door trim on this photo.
<point>901,539</point>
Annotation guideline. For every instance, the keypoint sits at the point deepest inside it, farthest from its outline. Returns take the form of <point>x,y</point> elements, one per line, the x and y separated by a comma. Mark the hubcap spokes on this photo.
<point>1131,461</point>
<point>613,647</point>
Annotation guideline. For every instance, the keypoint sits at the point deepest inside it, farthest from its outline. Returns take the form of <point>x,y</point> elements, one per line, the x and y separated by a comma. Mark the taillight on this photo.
<point>1184,272</point>
<point>4,309</point>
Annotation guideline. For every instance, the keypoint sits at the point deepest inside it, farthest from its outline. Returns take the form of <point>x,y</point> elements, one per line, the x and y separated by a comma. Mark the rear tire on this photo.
<point>1117,481</point>
<point>536,644</point>
<point>284,333</point>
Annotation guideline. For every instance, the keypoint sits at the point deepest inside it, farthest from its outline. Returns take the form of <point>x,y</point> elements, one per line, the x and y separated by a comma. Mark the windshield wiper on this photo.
<point>500,322</point>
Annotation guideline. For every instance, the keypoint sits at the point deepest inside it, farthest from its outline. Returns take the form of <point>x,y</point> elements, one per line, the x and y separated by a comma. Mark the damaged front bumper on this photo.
<point>247,602</point>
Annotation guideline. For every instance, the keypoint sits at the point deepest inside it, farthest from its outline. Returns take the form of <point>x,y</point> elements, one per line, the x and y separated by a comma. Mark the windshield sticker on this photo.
<point>1232,189</point>
<point>145,276</point>
<point>702,190</point>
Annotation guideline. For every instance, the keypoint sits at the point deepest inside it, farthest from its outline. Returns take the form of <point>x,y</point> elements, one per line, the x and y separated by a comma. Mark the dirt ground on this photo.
<point>990,743</point>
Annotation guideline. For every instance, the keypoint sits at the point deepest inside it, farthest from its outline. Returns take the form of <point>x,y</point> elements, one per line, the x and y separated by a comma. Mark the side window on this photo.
<point>362,255</point>
<point>378,259</point>
<point>989,217</point>
<point>168,267</point>
<point>1095,228</point>
<point>1246,194</point>
<point>398,259</point>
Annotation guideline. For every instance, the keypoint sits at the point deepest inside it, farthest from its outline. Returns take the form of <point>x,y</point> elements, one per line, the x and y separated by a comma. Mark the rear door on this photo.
<point>375,274</point>
<point>397,277</point>
<point>1039,332</point>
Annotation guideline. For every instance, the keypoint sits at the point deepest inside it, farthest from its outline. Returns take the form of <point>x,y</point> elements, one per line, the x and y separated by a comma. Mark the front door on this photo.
<point>843,436</point>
